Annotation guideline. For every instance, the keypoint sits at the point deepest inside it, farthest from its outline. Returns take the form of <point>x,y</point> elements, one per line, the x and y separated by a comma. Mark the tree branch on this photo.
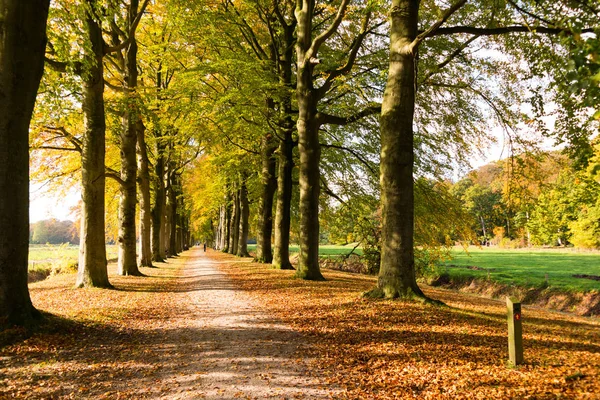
<point>55,148</point>
<point>448,59</point>
<point>111,173</point>
<point>132,29</point>
<point>62,132</point>
<point>354,153</point>
<point>433,28</point>
<point>324,118</point>
<point>319,40</point>
<point>60,66</point>
<point>329,192</point>
<point>353,52</point>
<point>502,30</point>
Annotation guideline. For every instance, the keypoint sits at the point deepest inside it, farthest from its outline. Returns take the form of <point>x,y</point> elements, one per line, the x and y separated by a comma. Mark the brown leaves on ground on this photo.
<point>396,349</point>
<point>143,340</point>
<point>99,343</point>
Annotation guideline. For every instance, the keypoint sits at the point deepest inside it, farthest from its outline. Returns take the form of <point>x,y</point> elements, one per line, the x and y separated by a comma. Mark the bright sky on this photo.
<point>43,205</point>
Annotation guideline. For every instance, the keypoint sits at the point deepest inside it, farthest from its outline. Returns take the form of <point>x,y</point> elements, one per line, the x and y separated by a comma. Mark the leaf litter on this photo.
<point>187,331</point>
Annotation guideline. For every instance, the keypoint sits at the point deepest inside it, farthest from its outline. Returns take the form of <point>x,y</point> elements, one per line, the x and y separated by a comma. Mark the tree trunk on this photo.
<point>172,215</point>
<point>180,220</point>
<point>281,254</point>
<point>264,251</point>
<point>483,227</point>
<point>244,216</point>
<point>145,206</point>
<point>22,47</point>
<point>92,270</point>
<point>397,270</point>
<point>227,227</point>
<point>235,224</point>
<point>220,242</point>
<point>167,224</point>
<point>127,264</point>
<point>310,154</point>
<point>160,199</point>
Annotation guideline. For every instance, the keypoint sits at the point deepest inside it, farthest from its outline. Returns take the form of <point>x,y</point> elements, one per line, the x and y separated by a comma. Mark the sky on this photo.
<point>44,205</point>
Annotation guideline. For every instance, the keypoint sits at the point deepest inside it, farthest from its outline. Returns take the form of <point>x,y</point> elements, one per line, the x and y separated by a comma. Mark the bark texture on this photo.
<point>281,255</point>
<point>264,252</point>
<point>397,270</point>
<point>227,226</point>
<point>145,206</point>
<point>172,197</point>
<point>159,208</point>
<point>234,229</point>
<point>92,270</point>
<point>309,148</point>
<point>285,163</point>
<point>22,47</point>
<point>127,264</point>
<point>242,250</point>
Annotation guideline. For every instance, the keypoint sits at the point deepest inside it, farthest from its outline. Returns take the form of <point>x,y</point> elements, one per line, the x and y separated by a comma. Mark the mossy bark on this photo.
<point>159,208</point>
<point>227,225</point>
<point>172,207</point>
<point>285,161</point>
<point>22,46</point>
<point>310,152</point>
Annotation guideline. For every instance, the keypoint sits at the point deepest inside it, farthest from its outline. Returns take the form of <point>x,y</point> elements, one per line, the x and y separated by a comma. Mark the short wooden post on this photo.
<point>515,332</point>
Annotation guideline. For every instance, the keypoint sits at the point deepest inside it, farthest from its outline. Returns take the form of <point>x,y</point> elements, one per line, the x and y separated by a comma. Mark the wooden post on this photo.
<point>515,332</point>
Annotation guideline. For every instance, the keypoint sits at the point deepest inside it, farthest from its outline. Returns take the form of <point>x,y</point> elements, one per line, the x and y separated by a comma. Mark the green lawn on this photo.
<point>527,267</point>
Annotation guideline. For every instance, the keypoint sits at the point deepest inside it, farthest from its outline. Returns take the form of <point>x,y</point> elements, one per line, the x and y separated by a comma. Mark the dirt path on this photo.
<point>242,351</point>
<point>182,332</point>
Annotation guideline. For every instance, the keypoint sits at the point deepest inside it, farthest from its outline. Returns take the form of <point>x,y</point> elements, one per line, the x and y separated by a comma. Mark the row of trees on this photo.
<point>202,111</point>
<point>53,231</point>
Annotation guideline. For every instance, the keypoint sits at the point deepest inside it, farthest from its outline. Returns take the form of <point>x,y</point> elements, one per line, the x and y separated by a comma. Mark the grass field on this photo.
<point>521,267</point>
<point>527,267</point>
<point>46,257</point>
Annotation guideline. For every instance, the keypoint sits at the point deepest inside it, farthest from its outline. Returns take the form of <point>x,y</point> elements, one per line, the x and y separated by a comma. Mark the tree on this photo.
<point>23,41</point>
<point>92,270</point>
<point>397,272</point>
<point>309,95</point>
<point>132,137</point>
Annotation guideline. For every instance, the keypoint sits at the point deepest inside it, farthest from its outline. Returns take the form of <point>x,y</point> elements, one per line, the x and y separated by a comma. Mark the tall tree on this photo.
<point>397,271</point>
<point>132,129</point>
<point>22,47</point>
<point>92,249</point>
<point>311,118</point>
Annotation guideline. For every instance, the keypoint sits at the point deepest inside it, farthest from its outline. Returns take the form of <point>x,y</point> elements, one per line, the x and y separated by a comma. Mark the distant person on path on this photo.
<point>205,247</point>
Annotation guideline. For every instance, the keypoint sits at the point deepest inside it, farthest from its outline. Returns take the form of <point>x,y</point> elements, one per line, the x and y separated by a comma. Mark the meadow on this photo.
<point>525,267</point>
<point>47,259</point>
<point>511,267</point>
